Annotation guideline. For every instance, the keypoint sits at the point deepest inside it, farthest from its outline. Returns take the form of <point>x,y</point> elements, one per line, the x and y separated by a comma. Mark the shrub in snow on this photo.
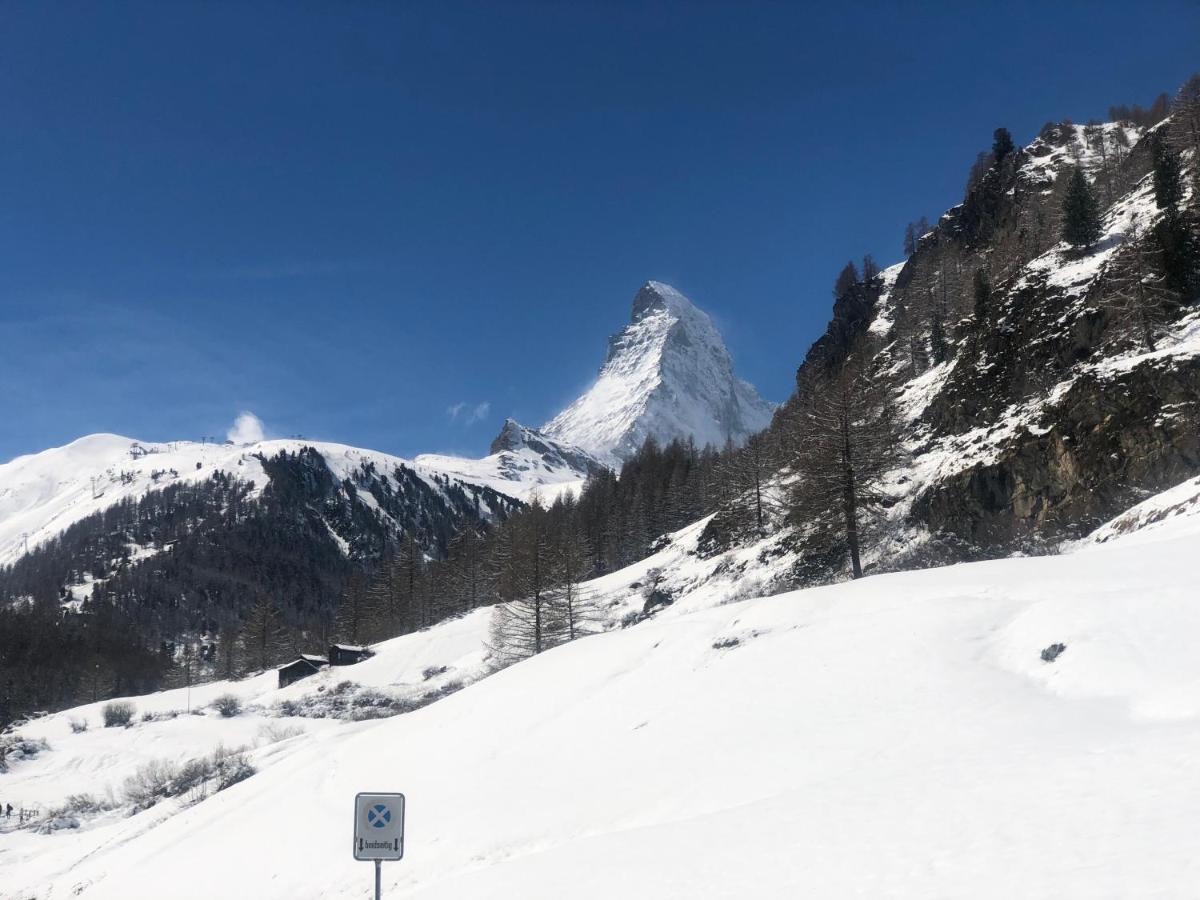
<point>163,716</point>
<point>57,823</point>
<point>289,708</point>
<point>75,807</point>
<point>118,713</point>
<point>83,804</point>
<point>434,672</point>
<point>228,705</point>
<point>747,588</point>
<point>656,599</point>
<point>160,778</point>
<point>1051,653</point>
<point>274,732</point>
<point>230,767</point>
<point>14,748</point>
<point>78,726</point>
<point>150,783</point>
<point>349,700</point>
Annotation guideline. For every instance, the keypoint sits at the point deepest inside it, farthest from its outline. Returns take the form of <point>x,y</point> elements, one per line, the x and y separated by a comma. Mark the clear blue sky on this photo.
<point>351,217</point>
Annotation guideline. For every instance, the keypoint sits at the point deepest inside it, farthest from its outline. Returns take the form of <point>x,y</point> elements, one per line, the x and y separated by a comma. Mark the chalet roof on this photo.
<point>307,658</point>
<point>351,647</point>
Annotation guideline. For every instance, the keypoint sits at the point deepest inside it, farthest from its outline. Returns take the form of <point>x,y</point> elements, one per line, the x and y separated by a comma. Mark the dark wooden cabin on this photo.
<point>301,667</point>
<point>348,654</point>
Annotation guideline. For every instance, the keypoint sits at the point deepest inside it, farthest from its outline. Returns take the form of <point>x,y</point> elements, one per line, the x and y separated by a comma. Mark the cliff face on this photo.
<point>1048,401</point>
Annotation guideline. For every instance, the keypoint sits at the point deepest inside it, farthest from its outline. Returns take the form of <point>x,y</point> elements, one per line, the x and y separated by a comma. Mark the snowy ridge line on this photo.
<point>43,494</point>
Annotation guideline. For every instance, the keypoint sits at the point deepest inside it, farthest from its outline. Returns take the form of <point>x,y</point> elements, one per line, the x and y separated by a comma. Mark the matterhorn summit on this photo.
<point>667,375</point>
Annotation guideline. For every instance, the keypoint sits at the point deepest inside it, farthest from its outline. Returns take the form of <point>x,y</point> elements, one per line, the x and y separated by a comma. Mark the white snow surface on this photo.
<point>1178,508</point>
<point>897,736</point>
<point>668,375</point>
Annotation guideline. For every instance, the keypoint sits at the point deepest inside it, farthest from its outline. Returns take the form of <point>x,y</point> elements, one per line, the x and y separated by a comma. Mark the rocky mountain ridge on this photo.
<point>666,375</point>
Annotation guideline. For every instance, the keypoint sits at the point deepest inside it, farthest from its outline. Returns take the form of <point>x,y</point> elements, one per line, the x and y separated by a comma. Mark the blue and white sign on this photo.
<point>378,826</point>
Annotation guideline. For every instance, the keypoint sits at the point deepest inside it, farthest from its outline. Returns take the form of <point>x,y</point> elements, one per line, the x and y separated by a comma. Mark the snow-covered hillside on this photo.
<point>521,461</point>
<point>43,493</point>
<point>898,736</point>
<point>667,375</point>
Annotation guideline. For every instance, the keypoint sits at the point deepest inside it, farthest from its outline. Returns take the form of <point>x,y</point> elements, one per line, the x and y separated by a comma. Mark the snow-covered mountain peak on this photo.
<point>655,296</point>
<point>513,436</point>
<point>668,375</point>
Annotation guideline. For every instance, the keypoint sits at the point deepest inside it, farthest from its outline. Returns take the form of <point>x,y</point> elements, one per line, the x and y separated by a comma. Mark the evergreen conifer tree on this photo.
<point>983,293</point>
<point>1002,144</point>
<point>846,281</point>
<point>939,348</point>
<point>1168,175</point>
<point>1081,213</point>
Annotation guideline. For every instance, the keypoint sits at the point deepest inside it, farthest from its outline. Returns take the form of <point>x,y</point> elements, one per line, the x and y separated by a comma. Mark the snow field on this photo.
<point>899,736</point>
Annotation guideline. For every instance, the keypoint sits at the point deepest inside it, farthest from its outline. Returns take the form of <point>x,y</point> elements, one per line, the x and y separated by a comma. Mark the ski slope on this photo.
<point>899,736</point>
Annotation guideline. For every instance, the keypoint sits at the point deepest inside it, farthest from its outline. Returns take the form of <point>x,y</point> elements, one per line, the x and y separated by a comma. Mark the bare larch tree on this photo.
<point>849,440</point>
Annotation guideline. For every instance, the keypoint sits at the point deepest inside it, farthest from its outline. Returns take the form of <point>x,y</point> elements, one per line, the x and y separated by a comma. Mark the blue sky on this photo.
<point>356,218</point>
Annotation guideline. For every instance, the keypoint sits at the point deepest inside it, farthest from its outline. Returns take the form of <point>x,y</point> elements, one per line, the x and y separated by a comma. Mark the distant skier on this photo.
<point>8,811</point>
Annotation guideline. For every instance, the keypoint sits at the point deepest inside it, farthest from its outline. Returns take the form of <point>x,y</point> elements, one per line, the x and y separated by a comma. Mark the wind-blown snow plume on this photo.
<point>247,428</point>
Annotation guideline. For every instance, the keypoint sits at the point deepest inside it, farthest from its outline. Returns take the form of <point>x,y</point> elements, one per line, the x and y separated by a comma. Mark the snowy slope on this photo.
<point>667,375</point>
<point>42,494</point>
<point>1178,509</point>
<point>522,461</point>
<point>898,736</point>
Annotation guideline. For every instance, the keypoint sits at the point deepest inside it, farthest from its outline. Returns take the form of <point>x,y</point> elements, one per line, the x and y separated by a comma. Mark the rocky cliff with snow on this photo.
<point>521,460</point>
<point>1042,387</point>
<point>667,375</point>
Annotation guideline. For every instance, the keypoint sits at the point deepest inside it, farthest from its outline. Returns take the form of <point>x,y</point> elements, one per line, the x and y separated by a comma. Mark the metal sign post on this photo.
<point>378,830</point>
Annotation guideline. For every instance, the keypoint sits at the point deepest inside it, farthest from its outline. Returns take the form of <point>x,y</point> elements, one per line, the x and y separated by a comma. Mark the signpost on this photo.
<point>378,829</point>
